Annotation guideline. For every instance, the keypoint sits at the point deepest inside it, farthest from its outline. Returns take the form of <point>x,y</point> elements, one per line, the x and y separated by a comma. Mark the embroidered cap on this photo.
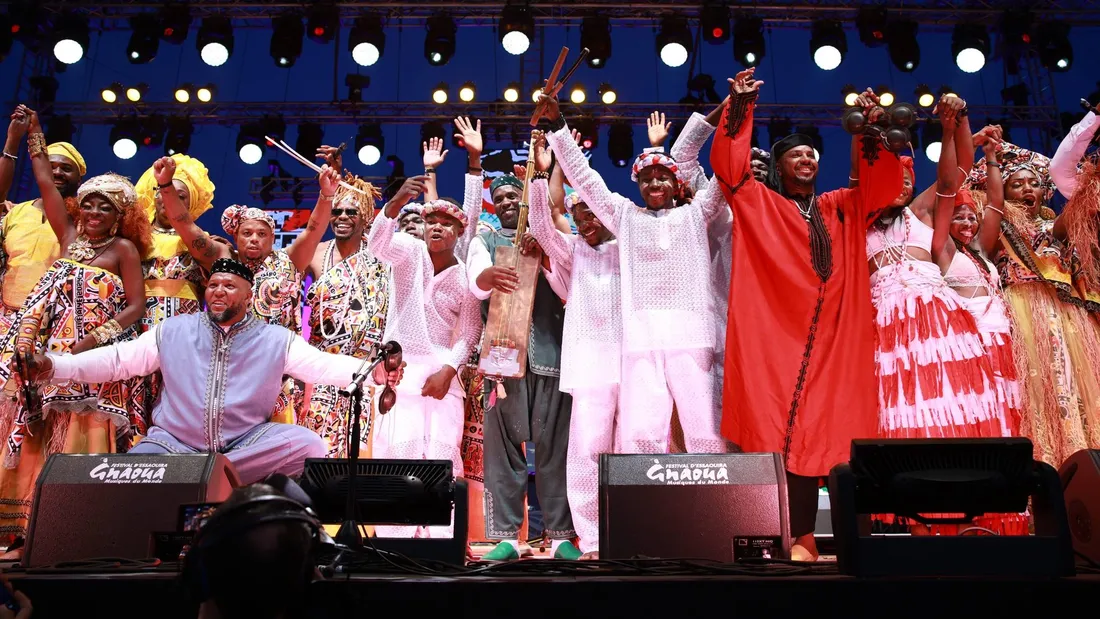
<point>232,267</point>
<point>233,216</point>
<point>446,207</point>
<point>507,179</point>
<point>649,159</point>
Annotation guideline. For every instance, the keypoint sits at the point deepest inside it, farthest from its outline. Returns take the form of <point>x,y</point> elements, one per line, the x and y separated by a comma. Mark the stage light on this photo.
<point>205,93</point>
<point>369,144</point>
<point>620,144</point>
<point>215,40</point>
<point>124,138</point>
<point>714,21</point>
<point>178,137</point>
<point>367,40</point>
<point>515,28</point>
<point>596,36</point>
<point>7,37</point>
<point>1016,95</point>
<point>175,21</point>
<point>970,47</point>
<point>71,38</point>
<point>511,92</point>
<point>310,138</point>
<point>902,45</point>
<point>111,93</point>
<point>59,129</point>
<point>932,136</point>
<point>440,94</point>
<point>467,92</point>
<point>183,93</point>
<point>151,131</point>
<point>135,93</point>
<point>250,143</point>
<point>850,94</point>
<point>322,23</point>
<point>286,40</point>
<point>1055,50</point>
<point>924,95</point>
<point>885,95</point>
<point>589,131</point>
<point>356,84</point>
<point>871,23</point>
<point>608,94</point>
<point>535,94</point>
<point>748,41</point>
<point>25,18</point>
<point>144,40</point>
<point>674,41</point>
<point>439,45</point>
<point>577,94</point>
<point>828,44</point>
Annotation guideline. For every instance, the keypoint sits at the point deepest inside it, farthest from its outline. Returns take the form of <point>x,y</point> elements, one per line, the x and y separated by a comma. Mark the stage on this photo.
<point>547,588</point>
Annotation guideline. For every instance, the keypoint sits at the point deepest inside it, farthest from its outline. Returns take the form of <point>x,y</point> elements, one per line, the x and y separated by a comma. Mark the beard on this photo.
<point>230,312</point>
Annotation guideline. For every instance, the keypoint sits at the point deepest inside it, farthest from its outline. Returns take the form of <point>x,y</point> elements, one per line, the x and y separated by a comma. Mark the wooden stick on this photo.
<point>283,146</point>
<point>550,81</point>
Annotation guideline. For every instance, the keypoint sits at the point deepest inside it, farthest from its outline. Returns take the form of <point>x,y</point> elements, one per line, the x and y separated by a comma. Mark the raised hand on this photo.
<point>164,170</point>
<point>329,179</point>
<point>412,187</point>
<point>470,134</point>
<point>540,153</point>
<point>948,109</point>
<point>981,137</point>
<point>744,83</point>
<point>434,153</point>
<point>332,155</point>
<point>548,106</point>
<point>657,128</point>
<point>991,140</point>
<point>33,126</point>
<point>20,122</point>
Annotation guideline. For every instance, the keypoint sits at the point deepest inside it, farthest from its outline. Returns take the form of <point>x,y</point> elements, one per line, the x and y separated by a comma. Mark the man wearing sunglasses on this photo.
<point>222,372</point>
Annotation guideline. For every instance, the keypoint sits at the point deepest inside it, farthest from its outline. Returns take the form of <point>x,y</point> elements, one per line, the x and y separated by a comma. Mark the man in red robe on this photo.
<point>800,371</point>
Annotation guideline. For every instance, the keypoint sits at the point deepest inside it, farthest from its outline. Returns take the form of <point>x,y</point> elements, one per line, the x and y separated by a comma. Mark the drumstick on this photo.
<point>572,70</point>
<point>283,146</point>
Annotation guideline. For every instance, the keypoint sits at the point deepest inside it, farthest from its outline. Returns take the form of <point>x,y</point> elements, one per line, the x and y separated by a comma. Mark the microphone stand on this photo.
<point>349,534</point>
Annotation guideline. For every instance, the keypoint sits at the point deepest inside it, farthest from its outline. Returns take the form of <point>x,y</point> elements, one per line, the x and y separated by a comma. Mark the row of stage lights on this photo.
<point>468,92</point>
<point>925,97</point>
<point>134,94</point>
<point>970,43</point>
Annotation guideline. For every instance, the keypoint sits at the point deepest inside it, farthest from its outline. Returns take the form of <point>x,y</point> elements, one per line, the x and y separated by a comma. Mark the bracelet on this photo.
<point>946,195</point>
<point>992,164</point>
<point>107,331</point>
<point>853,179</point>
<point>10,156</point>
<point>324,197</point>
<point>167,185</point>
<point>542,175</point>
<point>36,144</point>
<point>558,123</point>
<point>429,170</point>
<point>993,208</point>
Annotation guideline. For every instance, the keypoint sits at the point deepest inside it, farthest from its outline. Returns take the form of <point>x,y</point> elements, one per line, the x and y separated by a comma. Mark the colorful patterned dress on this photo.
<point>348,305</point>
<point>70,301</point>
<point>277,300</point>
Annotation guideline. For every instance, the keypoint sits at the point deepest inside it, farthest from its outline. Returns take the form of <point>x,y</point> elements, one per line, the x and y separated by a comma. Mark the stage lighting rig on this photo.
<point>1016,95</point>
<point>369,144</point>
<point>71,38</point>
<point>714,20</point>
<point>439,44</point>
<point>322,23</point>
<point>144,40</point>
<point>674,41</point>
<point>1052,43</point>
<point>367,41</point>
<point>903,46</point>
<point>871,23</point>
<point>589,130</point>
<point>828,44</point>
<point>515,28</point>
<point>577,95</point>
<point>970,47</point>
<point>924,95</point>
<point>175,22</point>
<point>511,92</point>
<point>136,93</point>
<point>850,94</point>
<point>932,137</point>
<point>441,93</point>
<point>356,84</point>
<point>748,41</point>
<point>151,131</point>
<point>178,137</point>
<point>215,40</point>
<point>60,129</point>
<point>467,92</point>
<point>7,37</point>
<point>286,40</point>
<point>596,36</point>
<point>124,137</point>
<point>250,143</point>
<point>310,138</point>
<point>608,94</point>
<point>112,93</point>
<point>25,17</point>
<point>620,144</point>
<point>885,95</point>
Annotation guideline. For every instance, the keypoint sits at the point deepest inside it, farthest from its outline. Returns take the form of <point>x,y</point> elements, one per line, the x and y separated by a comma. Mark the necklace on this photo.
<point>356,293</point>
<point>84,249</point>
<point>805,212</point>
<point>161,230</point>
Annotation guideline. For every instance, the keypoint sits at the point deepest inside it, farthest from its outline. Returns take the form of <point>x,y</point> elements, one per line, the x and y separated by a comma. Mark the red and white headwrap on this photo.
<point>446,208</point>
<point>233,216</point>
<point>647,159</point>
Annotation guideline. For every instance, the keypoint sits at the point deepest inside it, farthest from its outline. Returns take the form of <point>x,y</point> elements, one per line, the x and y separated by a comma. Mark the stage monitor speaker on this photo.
<point>108,505</point>
<point>724,507</point>
<point>1080,476</point>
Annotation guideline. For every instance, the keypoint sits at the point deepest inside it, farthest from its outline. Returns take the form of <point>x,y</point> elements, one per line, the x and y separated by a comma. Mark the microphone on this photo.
<point>387,351</point>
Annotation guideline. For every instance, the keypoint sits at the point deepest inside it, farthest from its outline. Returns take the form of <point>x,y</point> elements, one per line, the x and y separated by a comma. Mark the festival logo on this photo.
<point>129,472</point>
<point>682,472</point>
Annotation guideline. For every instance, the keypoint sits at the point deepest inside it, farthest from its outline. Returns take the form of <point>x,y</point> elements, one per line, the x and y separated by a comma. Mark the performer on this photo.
<point>435,319</point>
<point>1055,341</point>
<point>472,199</point>
<point>591,342</point>
<point>221,379</point>
<point>801,351</point>
<point>1079,225</point>
<point>411,220</point>
<point>91,296</point>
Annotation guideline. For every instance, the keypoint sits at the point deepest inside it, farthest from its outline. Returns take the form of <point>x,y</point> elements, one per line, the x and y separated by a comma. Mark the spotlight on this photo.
<point>178,137</point>
<point>151,131</point>
<point>515,29</point>
<point>925,98</point>
<point>511,92</point>
<point>850,94</point>
<point>175,21</point>
<point>467,92</point>
<point>970,47</point>
<point>286,40</point>
<point>1055,50</point>
<point>250,143</point>
<point>71,38</point>
<point>183,93</point>
<point>748,41</point>
<point>367,41</point>
<point>356,83</point>
<point>441,94</point>
<point>124,138</point>
<point>369,144</point>
<point>590,132</point>
<point>608,94</point>
<point>310,138</point>
<point>112,93</point>
<point>715,23</point>
<point>674,41</point>
<point>439,45</point>
<point>828,44</point>
<point>145,39</point>
<point>60,129</point>
<point>322,23</point>
<point>620,144</point>
<point>871,23</point>
<point>885,95</point>
<point>902,45</point>
<point>932,136</point>
<point>535,93</point>
<point>135,93</point>
<point>205,94</point>
<point>25,18</point>
<point>596,36</point>
<point>215,40</point>
<point>577,94</point>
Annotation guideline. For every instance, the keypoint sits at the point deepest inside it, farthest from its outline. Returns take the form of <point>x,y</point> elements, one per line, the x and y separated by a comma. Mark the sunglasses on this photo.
<point>388,397</point>
<point>350,212</point>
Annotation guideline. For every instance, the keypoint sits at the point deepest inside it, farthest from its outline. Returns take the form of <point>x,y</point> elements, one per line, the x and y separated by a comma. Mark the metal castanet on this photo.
<point>504,346</point>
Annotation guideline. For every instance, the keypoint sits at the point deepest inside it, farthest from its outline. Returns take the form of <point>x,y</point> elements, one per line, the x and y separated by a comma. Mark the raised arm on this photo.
<point>989,232</point>
<point>316,367</point>
<point>384,242</point>
<point>963,155</point>
<point>947,186</point>
<point>16,130</point>
<point>731,153</point>
<point>303,247</point>
<point>685,151</point>
<point>202,247</point>
<point>552,241</point>
<point>1063,167</point>
<point>52,202</point>
<point>140,357</point>
<point>434,156</point>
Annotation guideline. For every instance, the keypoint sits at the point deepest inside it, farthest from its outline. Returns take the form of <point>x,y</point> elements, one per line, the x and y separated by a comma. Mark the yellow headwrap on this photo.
<point>69,152</point>
<point>192,173</point>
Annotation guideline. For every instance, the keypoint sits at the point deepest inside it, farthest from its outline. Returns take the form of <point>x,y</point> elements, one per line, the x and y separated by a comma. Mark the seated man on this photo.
<point>222,372</point>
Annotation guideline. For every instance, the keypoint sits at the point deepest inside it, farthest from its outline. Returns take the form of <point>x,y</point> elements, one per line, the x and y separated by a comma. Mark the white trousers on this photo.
<point>421,428</point>
<point>591,433</point>
<point>651,382</point>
